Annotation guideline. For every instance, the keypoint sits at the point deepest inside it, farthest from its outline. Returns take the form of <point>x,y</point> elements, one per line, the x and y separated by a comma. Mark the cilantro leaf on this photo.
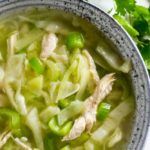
<point>141,25</point>
<point>143,11</point>
<point>145,51</point>
<point>124,6</point>
<point>132,31</point>
<point>136,20</point>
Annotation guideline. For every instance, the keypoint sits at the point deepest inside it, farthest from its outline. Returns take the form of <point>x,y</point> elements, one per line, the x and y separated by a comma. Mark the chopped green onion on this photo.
<point>75,40</point>
<point>59,130</point>
<point>103,111</point>
<point>36,65</point>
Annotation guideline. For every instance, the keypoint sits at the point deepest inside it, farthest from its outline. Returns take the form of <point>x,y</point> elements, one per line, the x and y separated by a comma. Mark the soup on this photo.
<point>62,85</point>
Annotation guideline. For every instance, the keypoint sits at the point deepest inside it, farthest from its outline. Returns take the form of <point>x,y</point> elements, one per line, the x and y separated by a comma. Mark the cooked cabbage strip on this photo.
<point>63,84</point>
<point>28,38</point>
<point>69,89</point>
<point>113,60</point>
<point>33,122</point>
<point>4,101</point>
<point>89,145</point>
<point>48,113</point>
<point>48,26</point>
<point>75,108</point>
<point>112,121</point>
<point>87,119</point>
<point>14,68</point>
<point>53,91</point>
<point>2,75</point>
<point>115,137</point>
<point>84,75</point>
<point>10,93</point>
<point>20,101</point>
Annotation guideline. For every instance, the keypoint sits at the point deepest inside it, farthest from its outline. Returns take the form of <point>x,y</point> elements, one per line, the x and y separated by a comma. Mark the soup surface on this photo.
<point>62,85</point>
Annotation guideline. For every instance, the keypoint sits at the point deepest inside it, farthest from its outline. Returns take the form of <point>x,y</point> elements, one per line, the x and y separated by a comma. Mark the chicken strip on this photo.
<point>92,67</point>
<point>49,44</point>
<point>22,144</point>
<point>88,118</point>
<point>4,137</point>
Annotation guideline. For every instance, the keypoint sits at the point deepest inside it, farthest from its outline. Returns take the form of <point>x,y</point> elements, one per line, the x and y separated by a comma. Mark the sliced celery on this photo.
<point>59,130</point>
<point>75,40</point>
<point>103,111</point>
<point>36,65</point>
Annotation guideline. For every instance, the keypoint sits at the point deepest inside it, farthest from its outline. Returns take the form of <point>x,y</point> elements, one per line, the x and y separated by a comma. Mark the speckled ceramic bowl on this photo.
<point>120,39</point>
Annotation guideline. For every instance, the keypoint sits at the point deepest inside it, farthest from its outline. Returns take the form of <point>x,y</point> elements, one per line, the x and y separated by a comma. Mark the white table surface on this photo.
<point>107,5</point>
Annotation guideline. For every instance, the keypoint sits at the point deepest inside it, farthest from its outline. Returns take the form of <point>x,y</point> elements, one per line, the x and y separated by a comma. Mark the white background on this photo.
<point>107,5</point>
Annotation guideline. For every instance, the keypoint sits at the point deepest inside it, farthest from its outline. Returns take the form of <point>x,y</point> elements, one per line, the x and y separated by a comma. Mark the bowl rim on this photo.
<point>5,3</point>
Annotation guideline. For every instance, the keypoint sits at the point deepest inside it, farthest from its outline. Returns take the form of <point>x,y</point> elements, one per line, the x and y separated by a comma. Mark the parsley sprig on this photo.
<point>136,20</point>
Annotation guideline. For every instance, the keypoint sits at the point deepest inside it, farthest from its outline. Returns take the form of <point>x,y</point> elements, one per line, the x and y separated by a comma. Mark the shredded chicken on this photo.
<point>59,58</point>
<point>4,137</point>
<point>11,41</point>
<point>88,118</point>
<point>49,44</point>
<point>21,144</point>
<point>92,66</point>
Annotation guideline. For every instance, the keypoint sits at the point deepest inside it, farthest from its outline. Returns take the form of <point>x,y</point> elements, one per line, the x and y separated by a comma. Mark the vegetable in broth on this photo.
<point>62,85</point>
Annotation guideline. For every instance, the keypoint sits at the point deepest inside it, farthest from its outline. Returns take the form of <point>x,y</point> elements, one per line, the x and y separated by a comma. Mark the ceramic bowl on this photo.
<point>121,40</point>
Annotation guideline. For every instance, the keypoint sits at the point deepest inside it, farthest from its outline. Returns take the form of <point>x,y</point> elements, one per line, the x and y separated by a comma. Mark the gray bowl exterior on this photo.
<point>124,44</point>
